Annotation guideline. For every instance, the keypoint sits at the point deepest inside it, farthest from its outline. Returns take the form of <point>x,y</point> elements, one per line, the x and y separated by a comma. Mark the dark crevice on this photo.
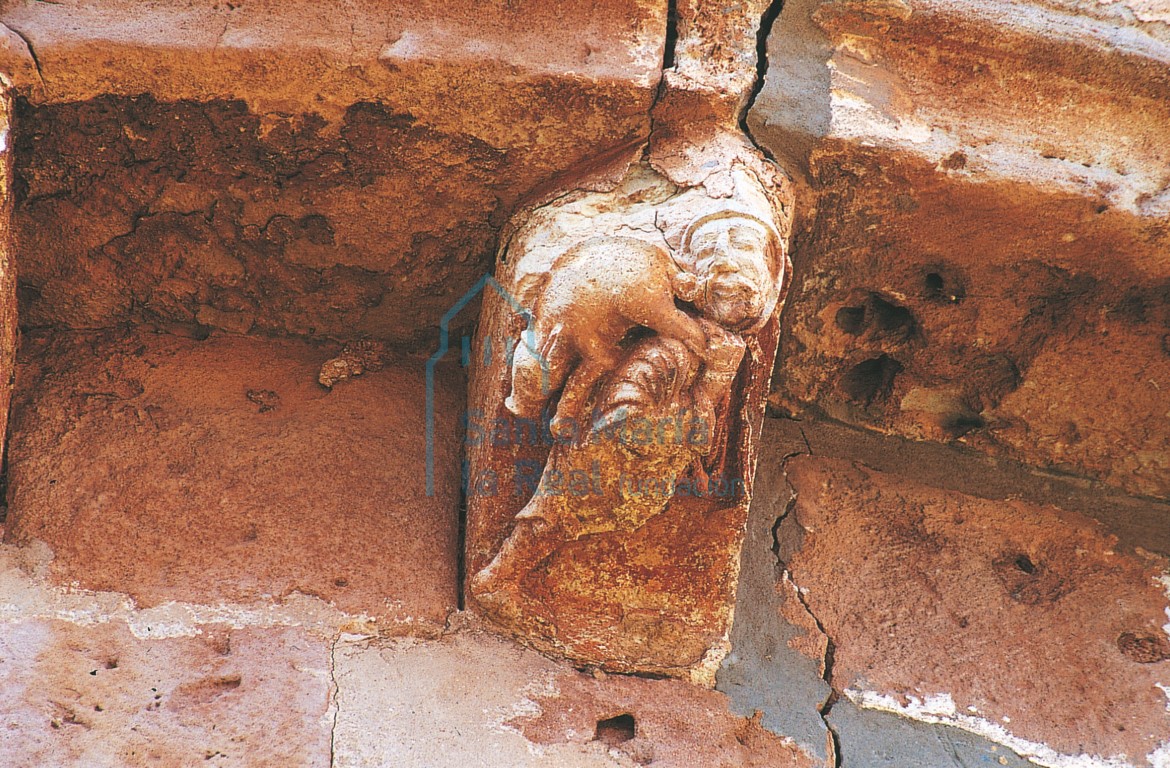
<point>671,34</point>
<point>616,730</point>
<point>461,543</point>
<point>670,42</point>
<point>762,33</point>
<point>3,480</point>
<point>4,448</point>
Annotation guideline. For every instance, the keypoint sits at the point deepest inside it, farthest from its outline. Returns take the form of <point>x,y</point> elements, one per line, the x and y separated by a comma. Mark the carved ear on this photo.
<point>685,286</point>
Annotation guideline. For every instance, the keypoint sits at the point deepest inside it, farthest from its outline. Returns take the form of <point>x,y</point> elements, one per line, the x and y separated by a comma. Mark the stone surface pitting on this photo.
<point>982,614</point>
<point>990,196</point>
<point>472,699</point>
<point>173,469</point>
<point>96,695</point>
<point>337,172</point>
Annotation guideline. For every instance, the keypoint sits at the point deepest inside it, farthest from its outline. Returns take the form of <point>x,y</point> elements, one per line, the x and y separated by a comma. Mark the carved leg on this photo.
<point>577,391</point>
<point>535,376</point>
<point>497,587</point>
<point>676,324</point>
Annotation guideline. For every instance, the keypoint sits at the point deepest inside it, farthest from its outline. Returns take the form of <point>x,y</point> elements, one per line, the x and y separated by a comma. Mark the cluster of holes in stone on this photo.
<point>616,730</point>
<point>884,319</point>
<point>871,379</point>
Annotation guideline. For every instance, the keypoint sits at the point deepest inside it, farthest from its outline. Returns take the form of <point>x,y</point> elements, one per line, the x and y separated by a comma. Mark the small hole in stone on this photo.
<point>1144,647</point>
<point>870,379</point>
<point>1025,564</point>
<point>934,283</point>
<point>616,730</point>
<point>891,319</point>
<point>341,582</point>
<point>111,663</point>
<point>851,320</point>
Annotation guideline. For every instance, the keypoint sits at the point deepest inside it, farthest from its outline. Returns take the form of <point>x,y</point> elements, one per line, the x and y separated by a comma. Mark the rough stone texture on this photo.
<point>473,700</point>
<point>96,695</point>
<point>985,262</point>
<point>286,683</point>
<point>1026,624</point>
<point>1136,521</point>
<point>8,328</point>
<point>170,468</point>
<point>299,168</point>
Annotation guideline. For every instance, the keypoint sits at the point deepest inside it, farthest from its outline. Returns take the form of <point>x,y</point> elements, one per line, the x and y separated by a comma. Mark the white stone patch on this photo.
<point>940,709</point>
<point>1160,757</point>
<point>28,599</point>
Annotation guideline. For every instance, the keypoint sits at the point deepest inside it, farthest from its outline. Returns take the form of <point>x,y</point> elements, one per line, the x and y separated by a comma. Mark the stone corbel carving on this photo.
<point>616,394</point>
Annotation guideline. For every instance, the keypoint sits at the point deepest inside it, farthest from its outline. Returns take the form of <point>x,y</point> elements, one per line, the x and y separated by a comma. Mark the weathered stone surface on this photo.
<point>96,695</point>
<point>8,327</point>
<point>1026,624</point>
<point>1136,521</point>
<point>991,197</point>
<point>170,468</point>
<point>470,699</point>
<point>297,168</point>
<point>593,530</point>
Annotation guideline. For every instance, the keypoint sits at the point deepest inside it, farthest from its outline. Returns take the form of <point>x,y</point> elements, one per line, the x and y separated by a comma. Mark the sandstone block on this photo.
<point>1023,623</point>
<point>220,470</point>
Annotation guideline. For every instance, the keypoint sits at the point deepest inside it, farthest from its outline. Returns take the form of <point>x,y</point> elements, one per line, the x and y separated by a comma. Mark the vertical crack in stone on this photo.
<point>762,33</point>
<point>826,707</point>
<point>461,546</point>
<point>671,35</point>
<point>336,692</point>
<point>670,41</point>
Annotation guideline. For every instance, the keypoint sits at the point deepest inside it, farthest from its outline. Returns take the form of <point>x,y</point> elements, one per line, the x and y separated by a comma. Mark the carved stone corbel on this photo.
<point>616,396</point>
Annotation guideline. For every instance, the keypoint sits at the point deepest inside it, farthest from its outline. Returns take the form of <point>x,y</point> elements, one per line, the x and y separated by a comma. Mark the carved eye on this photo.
<point>744,238</point>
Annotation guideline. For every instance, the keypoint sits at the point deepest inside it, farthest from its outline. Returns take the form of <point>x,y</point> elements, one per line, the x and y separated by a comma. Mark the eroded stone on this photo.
<point>221,470</point>
<point>1016,621</point>
<point>96,695</point>
<point>474,699</point>
<point>974,232</point>
<point>322,172</point>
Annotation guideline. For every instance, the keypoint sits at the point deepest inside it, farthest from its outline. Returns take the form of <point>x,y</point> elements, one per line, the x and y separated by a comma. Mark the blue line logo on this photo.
<point>527,337</point>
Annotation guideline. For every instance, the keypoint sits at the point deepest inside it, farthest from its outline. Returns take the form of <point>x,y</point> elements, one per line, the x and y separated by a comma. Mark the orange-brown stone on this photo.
<point>221,470</point>
<point>1029,618</point>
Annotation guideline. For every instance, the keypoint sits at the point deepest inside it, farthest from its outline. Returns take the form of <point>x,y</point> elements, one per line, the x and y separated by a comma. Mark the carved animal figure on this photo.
<point>583,307</point>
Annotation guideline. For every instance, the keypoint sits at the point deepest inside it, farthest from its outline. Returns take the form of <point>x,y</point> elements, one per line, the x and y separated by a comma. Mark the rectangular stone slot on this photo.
<point>197,460</point>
